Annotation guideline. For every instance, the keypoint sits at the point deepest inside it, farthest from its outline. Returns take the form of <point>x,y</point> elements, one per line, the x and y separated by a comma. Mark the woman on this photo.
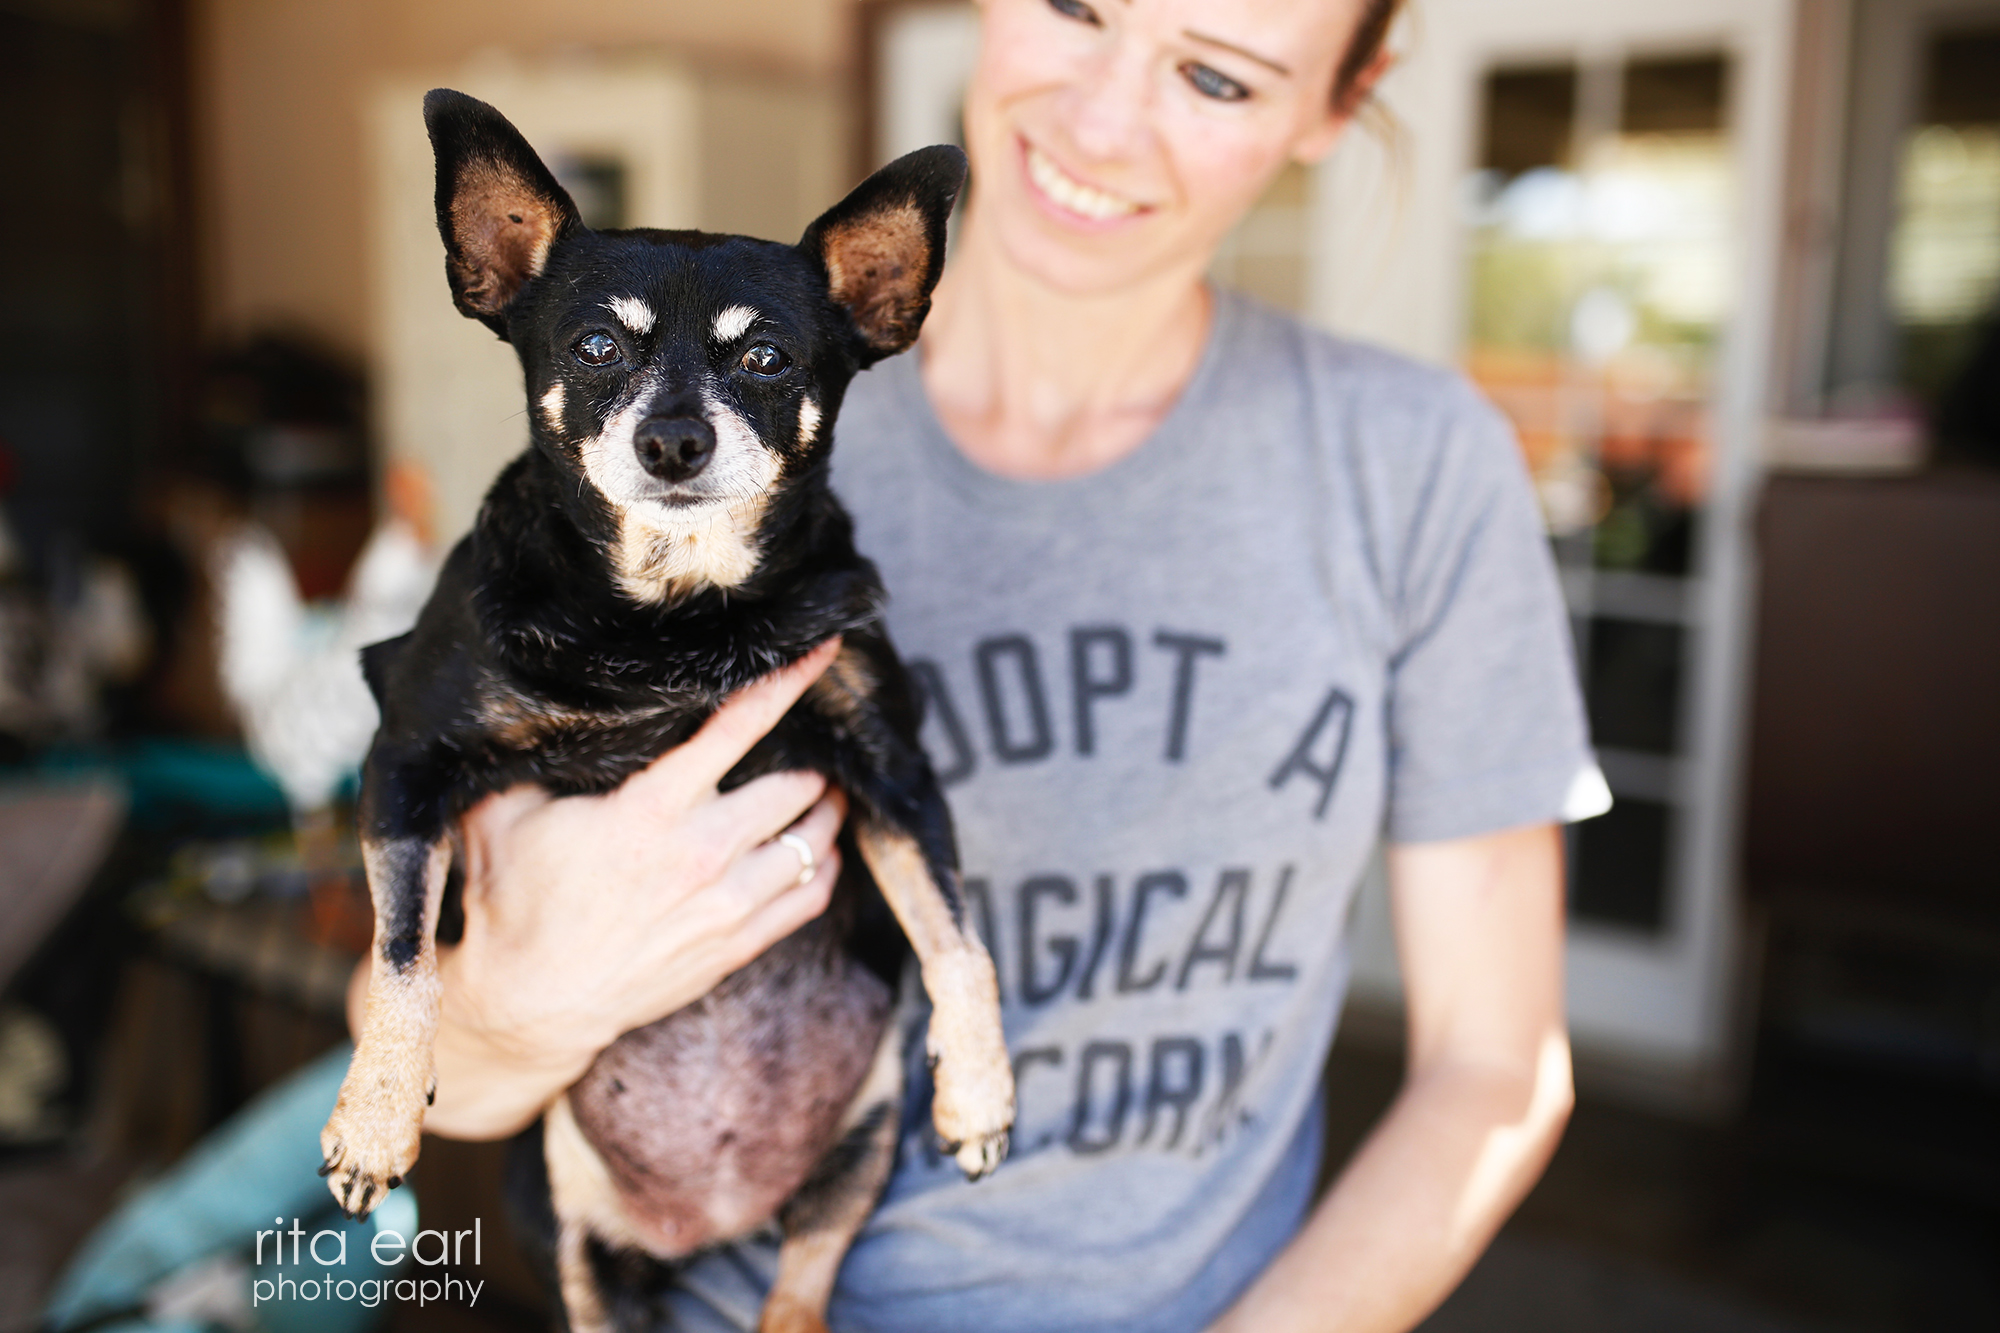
<point>1204,603</point>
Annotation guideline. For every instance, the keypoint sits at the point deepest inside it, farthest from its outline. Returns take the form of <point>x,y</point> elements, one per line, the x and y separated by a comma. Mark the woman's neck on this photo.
<point>1036,383</point>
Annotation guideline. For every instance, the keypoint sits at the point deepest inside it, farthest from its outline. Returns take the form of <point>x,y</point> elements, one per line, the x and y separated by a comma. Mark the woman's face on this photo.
<point>1114,140</point>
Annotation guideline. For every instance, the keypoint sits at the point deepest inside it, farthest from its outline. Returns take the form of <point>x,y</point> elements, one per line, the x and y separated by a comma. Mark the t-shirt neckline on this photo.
<point>1158,451</point>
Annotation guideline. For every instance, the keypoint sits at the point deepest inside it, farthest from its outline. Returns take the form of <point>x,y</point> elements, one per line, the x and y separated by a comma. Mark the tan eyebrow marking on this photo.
<point>1265,61</point>
<point>633,313</point>
<point>732,322</point>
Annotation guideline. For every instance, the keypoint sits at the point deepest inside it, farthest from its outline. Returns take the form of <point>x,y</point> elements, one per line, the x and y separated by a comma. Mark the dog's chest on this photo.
<point>571,749</point>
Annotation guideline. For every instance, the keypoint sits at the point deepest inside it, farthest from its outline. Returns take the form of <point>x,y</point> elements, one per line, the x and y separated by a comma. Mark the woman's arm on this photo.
<point>588,916</point>
<point>1479,927</point>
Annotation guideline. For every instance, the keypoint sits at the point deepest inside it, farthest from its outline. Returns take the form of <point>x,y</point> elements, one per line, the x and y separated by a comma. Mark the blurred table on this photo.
<point>263,946</point>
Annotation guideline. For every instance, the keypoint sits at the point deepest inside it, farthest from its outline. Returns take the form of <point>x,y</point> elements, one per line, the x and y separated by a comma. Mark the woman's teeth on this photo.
<point>1073,194</point>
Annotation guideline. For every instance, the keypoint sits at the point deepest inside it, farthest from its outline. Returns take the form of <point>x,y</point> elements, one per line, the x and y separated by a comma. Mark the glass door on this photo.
<point>1581,210</point>
<point>1600,214</point>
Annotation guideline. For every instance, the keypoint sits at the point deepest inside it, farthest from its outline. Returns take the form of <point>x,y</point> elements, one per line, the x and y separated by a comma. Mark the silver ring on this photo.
<point>805,851</point>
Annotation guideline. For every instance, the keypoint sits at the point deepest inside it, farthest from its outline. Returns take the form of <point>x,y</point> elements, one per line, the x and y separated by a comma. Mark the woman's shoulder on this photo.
<point>1346,370</point>
<point>1365,406</point>
<point>886,396</point>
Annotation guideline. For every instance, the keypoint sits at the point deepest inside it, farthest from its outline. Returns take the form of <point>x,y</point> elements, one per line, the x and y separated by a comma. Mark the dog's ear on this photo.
<point>498,207</point>
<point>883,246</point>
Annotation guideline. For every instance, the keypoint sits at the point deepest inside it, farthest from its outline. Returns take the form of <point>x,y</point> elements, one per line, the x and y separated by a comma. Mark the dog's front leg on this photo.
<point>972,1107</point>
<point>371,1141</point>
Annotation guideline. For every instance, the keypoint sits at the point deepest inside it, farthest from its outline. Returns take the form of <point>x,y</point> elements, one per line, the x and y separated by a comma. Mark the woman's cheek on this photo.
<point>1222,170</point>
<point>1020,50</point>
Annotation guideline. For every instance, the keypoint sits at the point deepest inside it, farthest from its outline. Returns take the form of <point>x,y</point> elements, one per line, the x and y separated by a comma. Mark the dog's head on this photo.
<point>689,381</point>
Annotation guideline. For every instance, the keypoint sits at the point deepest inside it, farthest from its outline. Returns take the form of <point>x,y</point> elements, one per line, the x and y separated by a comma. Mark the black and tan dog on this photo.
<point>668,538</point>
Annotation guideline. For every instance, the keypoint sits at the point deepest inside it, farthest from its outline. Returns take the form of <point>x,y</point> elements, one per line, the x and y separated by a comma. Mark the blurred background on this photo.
<point>1731,266</point>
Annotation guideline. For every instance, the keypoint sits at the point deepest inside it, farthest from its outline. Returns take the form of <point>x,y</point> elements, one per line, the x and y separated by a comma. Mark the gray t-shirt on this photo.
<point>1176,703</point>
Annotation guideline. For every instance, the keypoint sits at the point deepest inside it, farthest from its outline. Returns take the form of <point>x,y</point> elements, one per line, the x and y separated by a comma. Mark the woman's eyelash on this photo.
<point>1213,83</point>
<point>1206,80</point>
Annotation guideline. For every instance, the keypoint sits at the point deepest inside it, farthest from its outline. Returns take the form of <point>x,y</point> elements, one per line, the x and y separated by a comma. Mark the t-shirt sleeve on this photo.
<point>1486,724</point>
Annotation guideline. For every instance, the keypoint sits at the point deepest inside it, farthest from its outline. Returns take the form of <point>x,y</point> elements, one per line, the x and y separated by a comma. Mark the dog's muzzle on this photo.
<point>674,449</point>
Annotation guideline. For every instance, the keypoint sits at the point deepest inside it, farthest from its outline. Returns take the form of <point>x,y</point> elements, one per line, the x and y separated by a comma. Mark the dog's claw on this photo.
<point>334,1155</point>
<point>981,1157</point>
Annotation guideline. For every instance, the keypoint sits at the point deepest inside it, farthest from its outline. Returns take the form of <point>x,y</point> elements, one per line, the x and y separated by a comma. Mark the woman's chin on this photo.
<point>1079,263</point>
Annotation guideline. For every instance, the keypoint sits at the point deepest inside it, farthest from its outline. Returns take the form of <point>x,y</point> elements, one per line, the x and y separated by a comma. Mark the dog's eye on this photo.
<point>765,360</point>
<point>596,349</point>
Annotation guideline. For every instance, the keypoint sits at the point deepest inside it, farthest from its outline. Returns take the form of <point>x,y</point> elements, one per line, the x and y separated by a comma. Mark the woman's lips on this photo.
<point>1070,196</point>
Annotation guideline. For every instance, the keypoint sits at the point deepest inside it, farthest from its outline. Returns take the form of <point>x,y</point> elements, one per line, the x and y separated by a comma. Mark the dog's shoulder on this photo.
<point>426,679</point>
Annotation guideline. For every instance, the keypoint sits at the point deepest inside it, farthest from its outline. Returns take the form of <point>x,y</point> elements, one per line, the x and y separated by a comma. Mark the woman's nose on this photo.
<point>1109,119</point>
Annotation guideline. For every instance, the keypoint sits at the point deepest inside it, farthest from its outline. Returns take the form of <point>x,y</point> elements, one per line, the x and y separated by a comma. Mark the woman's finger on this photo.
<point>795,857</point>
<point>759,810</point>
<point>700,762</point>
<point>787,910</point>
<point>821,824</point>
<point>815,829</point>
<point>791,852</point>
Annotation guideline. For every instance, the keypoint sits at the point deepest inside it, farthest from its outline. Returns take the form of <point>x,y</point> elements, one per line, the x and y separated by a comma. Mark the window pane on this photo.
<point>596,185</point>
<point>1620,862</point>
<point>1598,288</point>
<point>1944,263</point>
<point>1679,96</point>
<point>1633,680</point>
<point>1530,119</point>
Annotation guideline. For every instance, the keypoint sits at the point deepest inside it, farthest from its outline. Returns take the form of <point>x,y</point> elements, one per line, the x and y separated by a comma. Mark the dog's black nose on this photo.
<point>674,448</point>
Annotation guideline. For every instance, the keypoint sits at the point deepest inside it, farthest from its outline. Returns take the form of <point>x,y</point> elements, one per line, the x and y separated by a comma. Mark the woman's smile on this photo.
<point>1115,144</point>
<point>1069,199</point>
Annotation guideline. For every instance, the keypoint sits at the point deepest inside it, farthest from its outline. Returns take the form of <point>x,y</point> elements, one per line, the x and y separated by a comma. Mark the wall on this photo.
<point>282,86</point>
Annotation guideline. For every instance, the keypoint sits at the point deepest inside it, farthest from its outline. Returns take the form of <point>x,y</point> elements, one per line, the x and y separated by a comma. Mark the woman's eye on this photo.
<point>1213,83</point>
<point>596,349</point>
<point>1076,9</point>
<point>764,359</point>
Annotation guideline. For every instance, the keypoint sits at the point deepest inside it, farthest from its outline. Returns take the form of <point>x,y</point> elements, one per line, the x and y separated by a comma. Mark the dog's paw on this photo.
<point>367,1155</point>
<point>972,1103</point>
<point>972,1108</point>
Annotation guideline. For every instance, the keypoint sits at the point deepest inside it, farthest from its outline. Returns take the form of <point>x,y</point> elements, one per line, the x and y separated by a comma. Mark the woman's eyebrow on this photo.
<point>1265,61</point>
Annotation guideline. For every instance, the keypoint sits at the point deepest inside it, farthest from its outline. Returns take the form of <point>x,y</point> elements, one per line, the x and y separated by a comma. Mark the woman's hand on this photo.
<point>588,916</point>
<point>1479,928</point>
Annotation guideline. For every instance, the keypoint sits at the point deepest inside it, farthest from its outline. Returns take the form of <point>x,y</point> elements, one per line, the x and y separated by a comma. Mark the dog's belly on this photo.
<point>709,1119</point>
